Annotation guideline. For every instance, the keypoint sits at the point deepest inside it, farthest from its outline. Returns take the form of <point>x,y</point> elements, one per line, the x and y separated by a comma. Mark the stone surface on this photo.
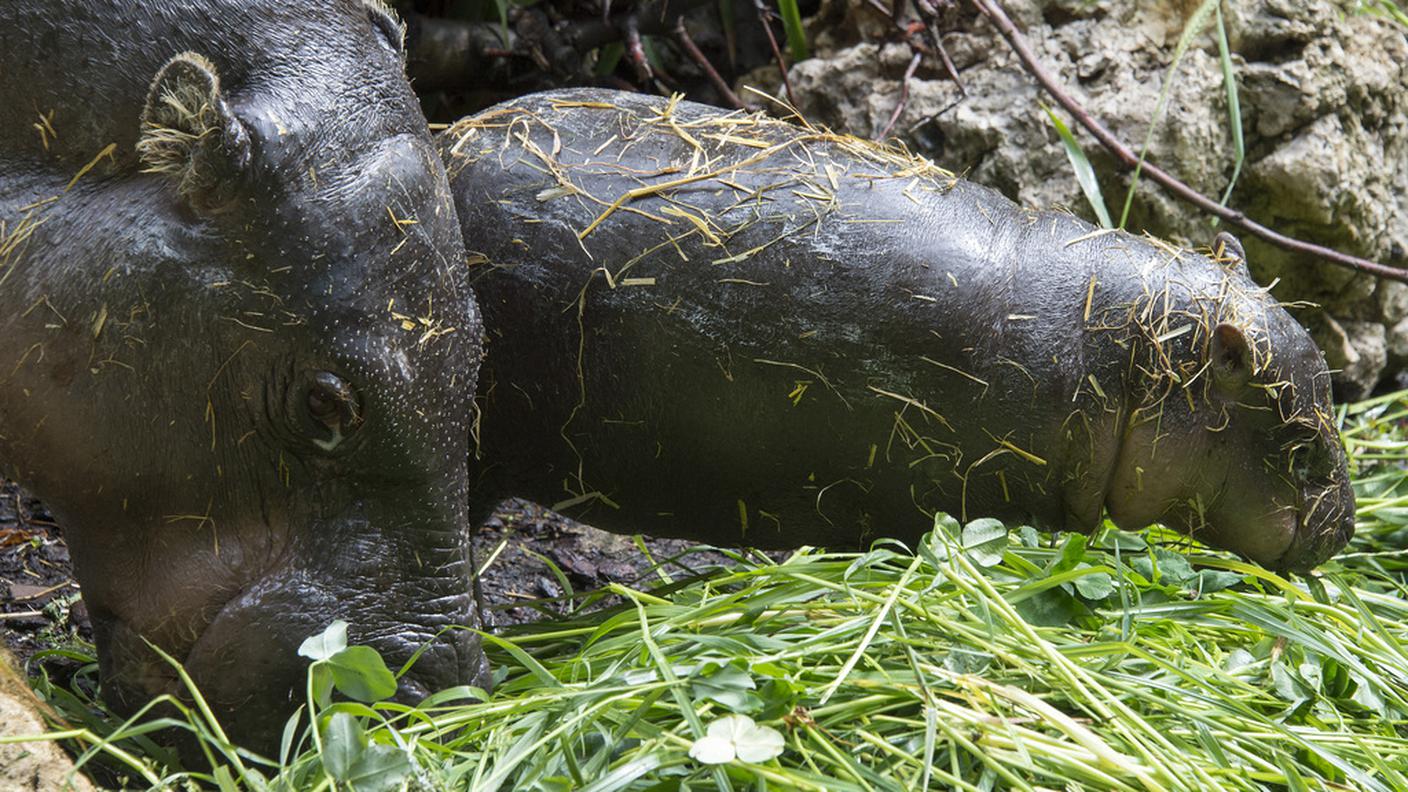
<point>36,766</point>
<point>1323,95</point>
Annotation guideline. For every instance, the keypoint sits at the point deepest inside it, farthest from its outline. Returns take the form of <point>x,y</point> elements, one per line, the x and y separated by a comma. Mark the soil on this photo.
<point>528,553</point>
<point>39,603</point>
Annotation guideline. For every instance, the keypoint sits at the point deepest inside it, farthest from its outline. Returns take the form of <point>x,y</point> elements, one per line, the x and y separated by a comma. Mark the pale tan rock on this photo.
<point>37,766</point>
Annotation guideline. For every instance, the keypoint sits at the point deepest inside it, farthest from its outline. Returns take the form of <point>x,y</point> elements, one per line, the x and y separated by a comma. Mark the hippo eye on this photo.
<point>332,403</point>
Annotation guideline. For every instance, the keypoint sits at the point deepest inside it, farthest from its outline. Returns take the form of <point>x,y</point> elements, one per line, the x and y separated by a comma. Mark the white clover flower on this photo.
<point>736,737</point>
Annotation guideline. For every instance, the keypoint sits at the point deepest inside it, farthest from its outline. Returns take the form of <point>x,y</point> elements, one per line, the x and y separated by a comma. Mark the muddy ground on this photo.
<point>525,547</point>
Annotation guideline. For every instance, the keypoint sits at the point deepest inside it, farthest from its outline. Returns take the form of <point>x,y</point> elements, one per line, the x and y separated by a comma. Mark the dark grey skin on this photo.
<point>737,330</point>
<point>238,343</point>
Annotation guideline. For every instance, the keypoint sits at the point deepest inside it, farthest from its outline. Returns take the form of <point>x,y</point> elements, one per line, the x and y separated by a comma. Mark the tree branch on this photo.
<point>687,44</point>
<point>452,53</point>
<point>993,11</point>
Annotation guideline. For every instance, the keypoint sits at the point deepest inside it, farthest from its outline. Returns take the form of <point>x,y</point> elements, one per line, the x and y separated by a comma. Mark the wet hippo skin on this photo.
<point>238,343</point>
<point>729,328</point>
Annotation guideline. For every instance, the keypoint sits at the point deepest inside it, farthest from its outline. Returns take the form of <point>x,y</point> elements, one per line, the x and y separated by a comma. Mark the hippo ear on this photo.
<point>1227,251</point>
<point>388,25</point>
<point>1231,357</point>
<point>189,132</point>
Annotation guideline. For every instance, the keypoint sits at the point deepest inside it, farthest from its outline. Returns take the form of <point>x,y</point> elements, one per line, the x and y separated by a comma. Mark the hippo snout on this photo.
<point>1325,525</point>
<point>246,663</point>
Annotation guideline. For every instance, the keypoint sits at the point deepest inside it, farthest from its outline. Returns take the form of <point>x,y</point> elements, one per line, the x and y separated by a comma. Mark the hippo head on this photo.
<point>268,428</point>
<point>1234,439</point>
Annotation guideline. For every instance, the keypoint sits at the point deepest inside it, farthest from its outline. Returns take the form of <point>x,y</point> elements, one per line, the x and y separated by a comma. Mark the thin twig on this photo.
<point>904,96</point>
<point>993,11</point>
<point>687,44</point>
<point>635,52</point>
<point>929,25</point>
<point>929,15</point>
<point>763,14</point>
<point>653,16</point>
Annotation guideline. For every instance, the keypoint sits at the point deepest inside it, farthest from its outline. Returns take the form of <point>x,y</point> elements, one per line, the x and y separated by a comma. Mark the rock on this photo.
<point>40,766</point>
<point>1393,301</point>
<point>1324,110</point>
<point>1359,351</point>
<point>1398,346</point>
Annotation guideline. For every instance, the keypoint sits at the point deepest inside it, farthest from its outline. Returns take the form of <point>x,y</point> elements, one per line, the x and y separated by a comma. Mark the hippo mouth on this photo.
<point>244,659</point>
<point>1265,540</point>
<point>1289,537</point>
<point>1324,527</point>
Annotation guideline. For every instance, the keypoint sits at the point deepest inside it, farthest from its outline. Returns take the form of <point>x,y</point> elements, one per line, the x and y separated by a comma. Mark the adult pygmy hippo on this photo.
<point>238,346</point>
<point>723,327</point>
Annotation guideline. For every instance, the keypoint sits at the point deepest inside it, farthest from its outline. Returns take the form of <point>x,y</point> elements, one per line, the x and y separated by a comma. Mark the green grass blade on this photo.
<point>1192,30</point>
<point>792,24</point>
<point>1234,106</point>
<point>1085,173</point>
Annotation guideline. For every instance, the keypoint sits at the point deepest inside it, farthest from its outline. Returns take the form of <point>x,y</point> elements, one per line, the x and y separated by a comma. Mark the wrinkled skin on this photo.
<point>240,379</point>
<point>815,342</point>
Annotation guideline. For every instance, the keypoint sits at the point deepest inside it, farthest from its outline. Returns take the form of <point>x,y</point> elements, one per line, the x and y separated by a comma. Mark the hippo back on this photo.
<point>727,327</point>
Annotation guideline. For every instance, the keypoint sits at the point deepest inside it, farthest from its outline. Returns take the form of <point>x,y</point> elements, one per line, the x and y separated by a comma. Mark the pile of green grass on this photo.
<point>993,658</point>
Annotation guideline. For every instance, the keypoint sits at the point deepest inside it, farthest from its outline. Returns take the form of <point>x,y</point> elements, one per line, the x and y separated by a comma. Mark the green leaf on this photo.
<point>967,661</point>
<point>949,527</point>
<point>985,541</point>
<point>1174,568</point>
<point>652,57</point>
<point>502,6</point>
<point>326,643</point>
<point>1049,608</point>
<point>290,734</point>
<point>322,684</point>
<point>1368,698</point>
<point>359,673</point>
<point>1237,660</point>
<point>1085,174</point>
<point>1286,685</point>
<point>1096,585</point>
<point>381,768</point>
<point>1072,553</point>
<point>1123,540</point>
<point>1164,567</point>
<point>343,744</point>
<point>730,686</point>
<point>607,58</point>
<point>1028,536</point>
<point>939,545</point>
<point>1388,9</point>
<point>1311,675</point>
<point>779,698</point>
<point>1334,679</point>
<point>1210,580</point>
<point>351,758</point>
<point>225,780</point>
